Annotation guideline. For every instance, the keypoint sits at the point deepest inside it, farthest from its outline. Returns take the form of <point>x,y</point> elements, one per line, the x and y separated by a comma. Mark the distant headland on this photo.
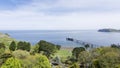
<point>108,30</point>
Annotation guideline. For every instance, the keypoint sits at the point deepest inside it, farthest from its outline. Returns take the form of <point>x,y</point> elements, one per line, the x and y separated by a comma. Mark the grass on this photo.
<point>5,39</point>
<point>64,53</point>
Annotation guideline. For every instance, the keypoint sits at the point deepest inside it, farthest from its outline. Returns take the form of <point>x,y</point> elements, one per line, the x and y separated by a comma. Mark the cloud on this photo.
<point>63,6</point>
<point>61,14</point>
<point>70,21</point>
<point>53,6</point>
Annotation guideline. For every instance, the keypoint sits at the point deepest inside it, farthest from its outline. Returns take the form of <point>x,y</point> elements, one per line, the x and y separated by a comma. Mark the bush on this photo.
<point>42,62</point>
<point>21,54</point>
<point>75,65</point>
<point>12,63</point>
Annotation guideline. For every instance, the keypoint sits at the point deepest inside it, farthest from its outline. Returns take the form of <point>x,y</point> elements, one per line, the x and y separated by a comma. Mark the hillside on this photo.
<point>5,38</point>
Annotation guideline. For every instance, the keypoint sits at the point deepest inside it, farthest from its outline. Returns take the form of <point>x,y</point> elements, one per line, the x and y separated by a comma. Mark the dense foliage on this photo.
<point>77,50</point>
<point>2,48</point>
<point>42,62</point>
<point>4,57</point>
<point>12,46</point>
<point>24,46</point>
<point>102,57</point>
<point>2,45</point>
<point>47,48</point>
<point>12,63</point>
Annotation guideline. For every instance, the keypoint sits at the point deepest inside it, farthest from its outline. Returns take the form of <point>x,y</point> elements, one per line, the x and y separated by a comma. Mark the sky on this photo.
<point>59,14</point>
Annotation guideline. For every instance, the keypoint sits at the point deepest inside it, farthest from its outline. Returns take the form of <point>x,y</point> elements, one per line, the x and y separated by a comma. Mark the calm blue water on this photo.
<point>59,36</point>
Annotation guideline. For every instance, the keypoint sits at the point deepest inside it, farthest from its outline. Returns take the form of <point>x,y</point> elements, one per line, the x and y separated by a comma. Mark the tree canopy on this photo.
<point>12,46</point>
<point>47,47</point>
<point>24,46</point>
<point>76,51</point>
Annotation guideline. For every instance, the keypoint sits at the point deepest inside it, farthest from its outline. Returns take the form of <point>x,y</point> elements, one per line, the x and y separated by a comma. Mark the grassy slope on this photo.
<point>64,52</point>
<point>5,39</point>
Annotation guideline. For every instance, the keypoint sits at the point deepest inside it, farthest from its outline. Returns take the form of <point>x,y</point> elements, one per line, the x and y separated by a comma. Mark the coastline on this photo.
<point>67,48</point>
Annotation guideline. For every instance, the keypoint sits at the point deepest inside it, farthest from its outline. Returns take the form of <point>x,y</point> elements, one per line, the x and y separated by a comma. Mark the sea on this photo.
<point>58,37</point>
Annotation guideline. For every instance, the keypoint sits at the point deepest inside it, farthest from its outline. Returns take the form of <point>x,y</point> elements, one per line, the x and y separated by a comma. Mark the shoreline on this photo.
<point>67,48</point>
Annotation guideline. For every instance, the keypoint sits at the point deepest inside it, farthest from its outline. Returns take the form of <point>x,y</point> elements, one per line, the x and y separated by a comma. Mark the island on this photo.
<point>108,30</point>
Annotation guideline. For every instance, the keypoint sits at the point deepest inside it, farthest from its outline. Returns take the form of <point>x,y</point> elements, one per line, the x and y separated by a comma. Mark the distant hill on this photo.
<point>108,30</point>
<point>5,38</point>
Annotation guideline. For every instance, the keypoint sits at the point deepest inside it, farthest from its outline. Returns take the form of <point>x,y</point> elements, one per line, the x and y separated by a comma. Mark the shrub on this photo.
<point>12,63</point>
<point>75,65</point>
<point>42,62</point>
<point>21,54</point>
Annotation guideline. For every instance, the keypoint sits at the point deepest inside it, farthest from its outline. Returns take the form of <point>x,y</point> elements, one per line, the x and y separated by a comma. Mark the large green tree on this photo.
<point>24,46</point>
<point>87,46</point>
<point>12,46</point>
<point>47,47</point>
<point>76,51</point>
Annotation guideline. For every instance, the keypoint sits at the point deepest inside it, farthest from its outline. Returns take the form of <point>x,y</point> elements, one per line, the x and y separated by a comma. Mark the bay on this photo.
<point>59,36</point>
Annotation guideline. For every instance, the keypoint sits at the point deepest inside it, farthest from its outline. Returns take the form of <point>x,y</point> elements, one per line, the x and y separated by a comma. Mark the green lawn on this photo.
<point>64,53</point>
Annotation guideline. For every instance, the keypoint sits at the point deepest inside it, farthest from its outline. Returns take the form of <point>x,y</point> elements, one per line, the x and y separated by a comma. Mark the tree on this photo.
<point>47,47</point>
<point>24,46</point>
<point>115,46</point>
<point>76,51</point>
<point>105,57</point>
<point>12,46</point>
<point>87,46</point>
<point>85,58</point>
<point>12,63</point>
<point>109,60</point>
<point>35,49</point>
<point>28,46</point>
<point>58,47</point>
